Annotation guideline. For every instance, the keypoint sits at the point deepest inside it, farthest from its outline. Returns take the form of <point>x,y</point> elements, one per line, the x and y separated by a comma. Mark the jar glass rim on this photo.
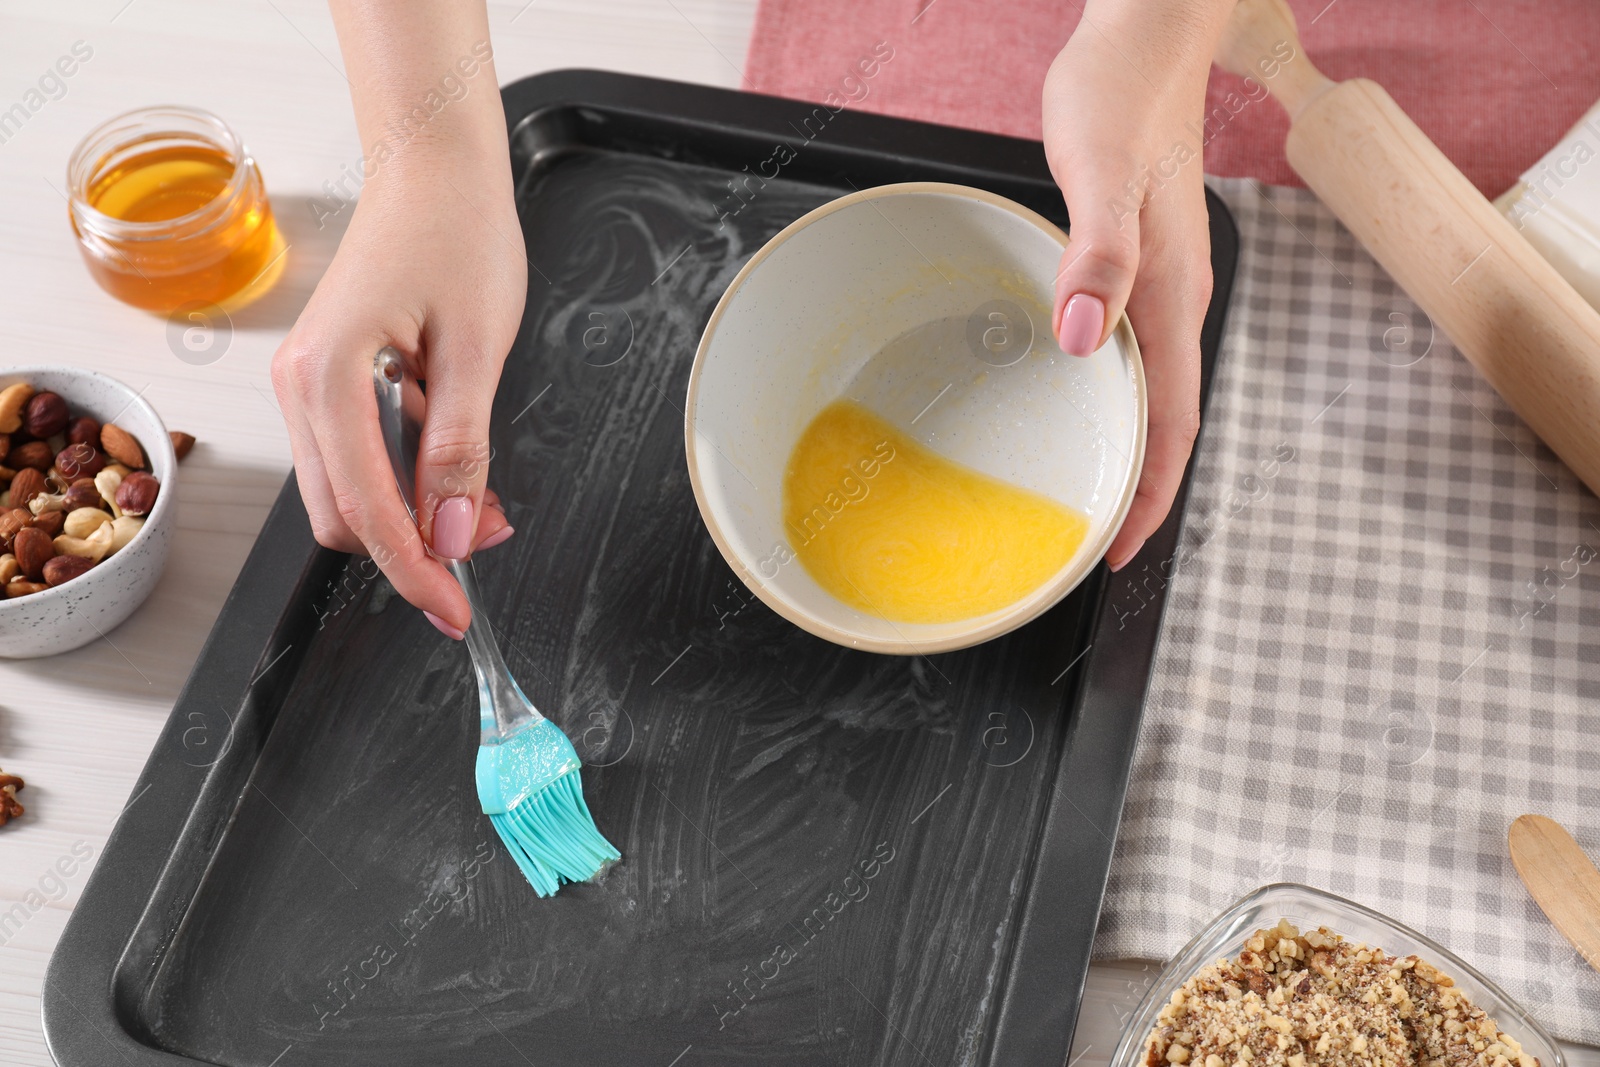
<point>175,121</point>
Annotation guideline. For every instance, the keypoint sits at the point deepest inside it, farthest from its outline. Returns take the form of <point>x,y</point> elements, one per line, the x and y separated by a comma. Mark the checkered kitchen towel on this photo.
<point>1383,644</point>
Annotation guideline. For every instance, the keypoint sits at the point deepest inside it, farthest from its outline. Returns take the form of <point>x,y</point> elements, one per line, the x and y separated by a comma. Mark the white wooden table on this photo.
<point>79,727</point>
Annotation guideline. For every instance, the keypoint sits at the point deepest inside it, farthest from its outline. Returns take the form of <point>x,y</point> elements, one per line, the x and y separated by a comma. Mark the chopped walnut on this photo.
<point>1317,1000</point>
<point>9,807</point>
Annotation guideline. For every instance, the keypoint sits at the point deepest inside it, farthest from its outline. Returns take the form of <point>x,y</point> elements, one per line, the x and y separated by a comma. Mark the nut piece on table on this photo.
<point>94,547</point>
<point>13,400</point>
<point>33,549</point>
<point>9,808</point>
<point>121,445</point>
<point>65,568</point>
<point>35,454</point>
<point>84,430</point>
<point>123,529</point>
<point>79,461</point>
<point>20,586</point>
<point>137,493</point>
<point>8,568</point>
<point>81,522</point>
<point>181,442</point>
<point>81,494</point>
<point>45,415</point>
<point>51,522</point>
<point>28,484</point>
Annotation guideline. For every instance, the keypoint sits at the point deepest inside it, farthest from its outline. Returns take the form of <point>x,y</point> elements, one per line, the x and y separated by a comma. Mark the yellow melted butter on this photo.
<point>896,530</point>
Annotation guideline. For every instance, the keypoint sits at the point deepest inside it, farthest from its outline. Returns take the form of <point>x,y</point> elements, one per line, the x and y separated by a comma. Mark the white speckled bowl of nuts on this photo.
<point>87,480</point>
<point>1292,976</point>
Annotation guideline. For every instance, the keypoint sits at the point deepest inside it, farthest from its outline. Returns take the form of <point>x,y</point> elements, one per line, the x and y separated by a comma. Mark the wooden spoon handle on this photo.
<point>1562,880</point>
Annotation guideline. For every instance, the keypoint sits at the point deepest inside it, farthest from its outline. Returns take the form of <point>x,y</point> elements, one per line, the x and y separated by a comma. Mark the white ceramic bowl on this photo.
<point>91,605</point>
<point>930,304</point>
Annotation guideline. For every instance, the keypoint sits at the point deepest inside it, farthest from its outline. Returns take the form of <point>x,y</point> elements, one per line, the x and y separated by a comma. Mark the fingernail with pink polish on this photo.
<point>1081,324</point>
<point>1125,560</point>
<point>443,627</point>
<point>499,537</point>
<point>452,528</point>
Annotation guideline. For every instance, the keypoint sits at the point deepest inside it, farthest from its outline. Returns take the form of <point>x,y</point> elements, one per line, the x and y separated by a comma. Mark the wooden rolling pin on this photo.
<point>1508,310</point>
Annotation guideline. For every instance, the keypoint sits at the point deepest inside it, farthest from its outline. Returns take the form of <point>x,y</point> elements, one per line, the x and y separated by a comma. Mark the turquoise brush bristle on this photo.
<point>530,789</point>
<point>527,769</point>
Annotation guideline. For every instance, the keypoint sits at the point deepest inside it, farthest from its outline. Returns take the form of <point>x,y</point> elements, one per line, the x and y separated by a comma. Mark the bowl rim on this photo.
<point>12,375</point>
<point>1006,619</point>
<point>1203,950</point>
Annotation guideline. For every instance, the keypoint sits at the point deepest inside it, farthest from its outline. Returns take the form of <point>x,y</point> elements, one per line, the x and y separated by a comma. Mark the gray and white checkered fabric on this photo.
<point>1382,642</point>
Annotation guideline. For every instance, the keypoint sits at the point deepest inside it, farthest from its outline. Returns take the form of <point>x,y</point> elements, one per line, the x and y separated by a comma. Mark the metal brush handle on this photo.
<point>503,708</point>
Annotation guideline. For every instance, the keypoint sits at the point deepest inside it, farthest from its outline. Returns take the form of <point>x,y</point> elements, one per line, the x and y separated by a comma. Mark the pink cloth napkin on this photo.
<point>1494,82</point>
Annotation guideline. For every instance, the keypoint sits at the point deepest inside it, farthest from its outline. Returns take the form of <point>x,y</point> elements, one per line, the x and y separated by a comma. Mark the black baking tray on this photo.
<point>830,857</point>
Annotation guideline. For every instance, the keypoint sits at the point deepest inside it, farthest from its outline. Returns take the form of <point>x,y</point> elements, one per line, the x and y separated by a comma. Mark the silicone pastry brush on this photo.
<point>527,770</point>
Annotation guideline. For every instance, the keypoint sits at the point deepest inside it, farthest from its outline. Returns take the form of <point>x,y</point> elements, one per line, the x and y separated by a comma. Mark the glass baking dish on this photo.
<point>1307,909</point>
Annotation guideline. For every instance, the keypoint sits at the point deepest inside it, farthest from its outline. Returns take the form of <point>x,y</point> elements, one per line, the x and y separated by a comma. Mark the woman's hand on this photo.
<point>1123,105</point>
<point>433,264</point>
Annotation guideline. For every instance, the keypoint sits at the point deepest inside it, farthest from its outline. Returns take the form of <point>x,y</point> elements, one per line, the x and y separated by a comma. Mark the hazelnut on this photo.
<point>65,568</point>
<point>80,461</point>
<point>22,587</point>
<point>121,446</point>
<point>181,443</point>
<point>13,399</point>
<point>137,493</point>
<point>33,549</point>
<point>45,415</point>
<point>84,430</point>
<point>28,484</point>
<point>82,494</point>
<point>51,522</point>
<point>35,454</point>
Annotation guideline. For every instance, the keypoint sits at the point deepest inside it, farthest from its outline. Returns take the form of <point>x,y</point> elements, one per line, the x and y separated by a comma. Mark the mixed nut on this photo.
<point>76,491</point>
<point>10,808</point>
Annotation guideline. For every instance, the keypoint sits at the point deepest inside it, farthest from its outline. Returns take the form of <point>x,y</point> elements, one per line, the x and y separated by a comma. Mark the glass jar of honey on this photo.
<point>170,210</point>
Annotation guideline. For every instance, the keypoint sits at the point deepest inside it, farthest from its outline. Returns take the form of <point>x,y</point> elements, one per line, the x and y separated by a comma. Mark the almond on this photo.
<point>121,446</point>
<point>12,520</point>
<point>28,484</point>
<point>181,443</point>
<point>33,549</point>
<point>34,454</point>
<point>65,568</point>
<point>51,522</point>
<point>13,399</point>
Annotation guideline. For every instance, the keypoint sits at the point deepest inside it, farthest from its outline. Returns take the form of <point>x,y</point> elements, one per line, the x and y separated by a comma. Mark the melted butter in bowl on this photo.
<point>897,530</point>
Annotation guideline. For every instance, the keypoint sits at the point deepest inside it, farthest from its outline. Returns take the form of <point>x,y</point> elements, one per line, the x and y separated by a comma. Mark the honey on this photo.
<point>170,211</point>
<point>896,530</point>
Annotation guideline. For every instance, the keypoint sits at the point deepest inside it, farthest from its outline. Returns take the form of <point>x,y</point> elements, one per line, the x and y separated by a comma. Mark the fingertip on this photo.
<point>497,538</point>
<point>1125,557</point>
<point>452,632</point>
<point>1083,321</point>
